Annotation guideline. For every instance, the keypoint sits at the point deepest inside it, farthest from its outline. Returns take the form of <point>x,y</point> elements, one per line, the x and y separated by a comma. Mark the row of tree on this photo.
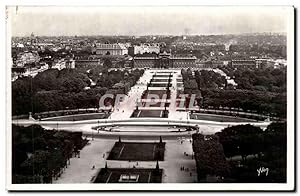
<point>190,83</point>
<point>39,155</point>
<point>257,149</point>
<point>57,90</point>
<point>266,103</point>
<point>258,91</point>
<point>209,79</point>
<point>209,156</point>
<point>269,79</point>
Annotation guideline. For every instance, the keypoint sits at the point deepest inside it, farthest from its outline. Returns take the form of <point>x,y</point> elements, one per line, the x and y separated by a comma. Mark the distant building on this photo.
<point>16,72</point>
<point>110,49</point>
<point>23,71</point>
<point>213,64</point>
<point>70,64</point>
<point>144,48</point>
<point>241,63</point>
<point>59,64</point>
<point>27,58</point>
<point>209,47</point>
<point>164,60</point>
<point>144,62</point>
<point>183,62</point>
<point>19,45</point>
<point>87,62</point>
<point>266,63</point>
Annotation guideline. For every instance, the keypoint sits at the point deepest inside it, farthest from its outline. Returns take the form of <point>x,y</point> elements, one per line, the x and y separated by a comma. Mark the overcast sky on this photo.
<point>146,20</point>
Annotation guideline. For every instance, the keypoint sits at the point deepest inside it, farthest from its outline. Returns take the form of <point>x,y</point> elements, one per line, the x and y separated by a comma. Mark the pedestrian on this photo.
<point>190,173</point>
<point>93,167</point>
<point>103,155</point>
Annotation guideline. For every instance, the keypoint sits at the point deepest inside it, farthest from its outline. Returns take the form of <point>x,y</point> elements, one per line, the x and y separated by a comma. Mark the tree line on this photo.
<point>237,152</point>
<point>257,91</point>
<point>39,155</point>
<point>66,89</point>
<point>266,80</point>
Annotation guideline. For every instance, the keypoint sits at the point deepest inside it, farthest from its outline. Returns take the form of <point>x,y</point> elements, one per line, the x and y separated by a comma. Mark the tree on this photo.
<point>40,153</point>
<point>209,155</point>
<point>241,140</point>
<point>272,155</point>
<point>107,63</point>
<point>22,93</point>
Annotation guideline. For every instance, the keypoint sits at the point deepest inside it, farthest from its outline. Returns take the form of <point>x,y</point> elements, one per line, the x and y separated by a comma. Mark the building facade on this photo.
<point>266,63</point>
<point>87,62</point>
<point>110,49</point>
<point>164,61</point>
<point>27,58</point>
<point>147,48</point>
<point>243,63</point>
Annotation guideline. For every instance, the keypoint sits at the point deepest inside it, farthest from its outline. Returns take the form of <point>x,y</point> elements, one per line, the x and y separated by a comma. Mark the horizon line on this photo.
<point>145,35</point>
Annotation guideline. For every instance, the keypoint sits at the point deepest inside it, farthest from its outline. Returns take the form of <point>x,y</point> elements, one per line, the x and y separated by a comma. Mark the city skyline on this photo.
<point>166,95</point>
<point>118,21</point>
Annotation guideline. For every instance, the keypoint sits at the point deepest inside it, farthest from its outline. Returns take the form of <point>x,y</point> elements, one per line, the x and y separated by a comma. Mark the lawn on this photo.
<point>164,72</point>
<point>159,93</point>
<point>150,113</point>
<point>156,104</point>
<point>158,85</point>
<point>112,175</point>
<point>219,118</point>
<point>135,151</point>
<point>162,76</point>
<point>77,117</point>
<point>159,80</point>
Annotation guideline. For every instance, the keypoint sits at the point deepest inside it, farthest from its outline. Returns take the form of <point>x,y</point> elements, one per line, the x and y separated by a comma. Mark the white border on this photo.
<point>194,186</point>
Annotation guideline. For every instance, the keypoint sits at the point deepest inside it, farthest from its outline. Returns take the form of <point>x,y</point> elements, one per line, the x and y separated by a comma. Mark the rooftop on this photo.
<point>116,46</point>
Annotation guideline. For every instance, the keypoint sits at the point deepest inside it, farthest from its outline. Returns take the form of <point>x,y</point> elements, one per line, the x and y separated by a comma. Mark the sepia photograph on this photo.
<point>151,98</point>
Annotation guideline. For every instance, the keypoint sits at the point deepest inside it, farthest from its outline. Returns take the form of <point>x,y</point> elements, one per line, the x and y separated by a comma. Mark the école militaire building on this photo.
<point>110,49</point>
<point>164,60</point>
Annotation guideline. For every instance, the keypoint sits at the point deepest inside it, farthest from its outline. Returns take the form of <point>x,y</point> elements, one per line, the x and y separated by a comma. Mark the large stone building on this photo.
<point>110,49</point>
<point>144,48</point>
<point>241,63</point>
<point>87,62</point>
<point>27,58</point>
<point>164,60</point>
<point>144,62</point>
<point>212,64</point>
<point>266,63</point>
